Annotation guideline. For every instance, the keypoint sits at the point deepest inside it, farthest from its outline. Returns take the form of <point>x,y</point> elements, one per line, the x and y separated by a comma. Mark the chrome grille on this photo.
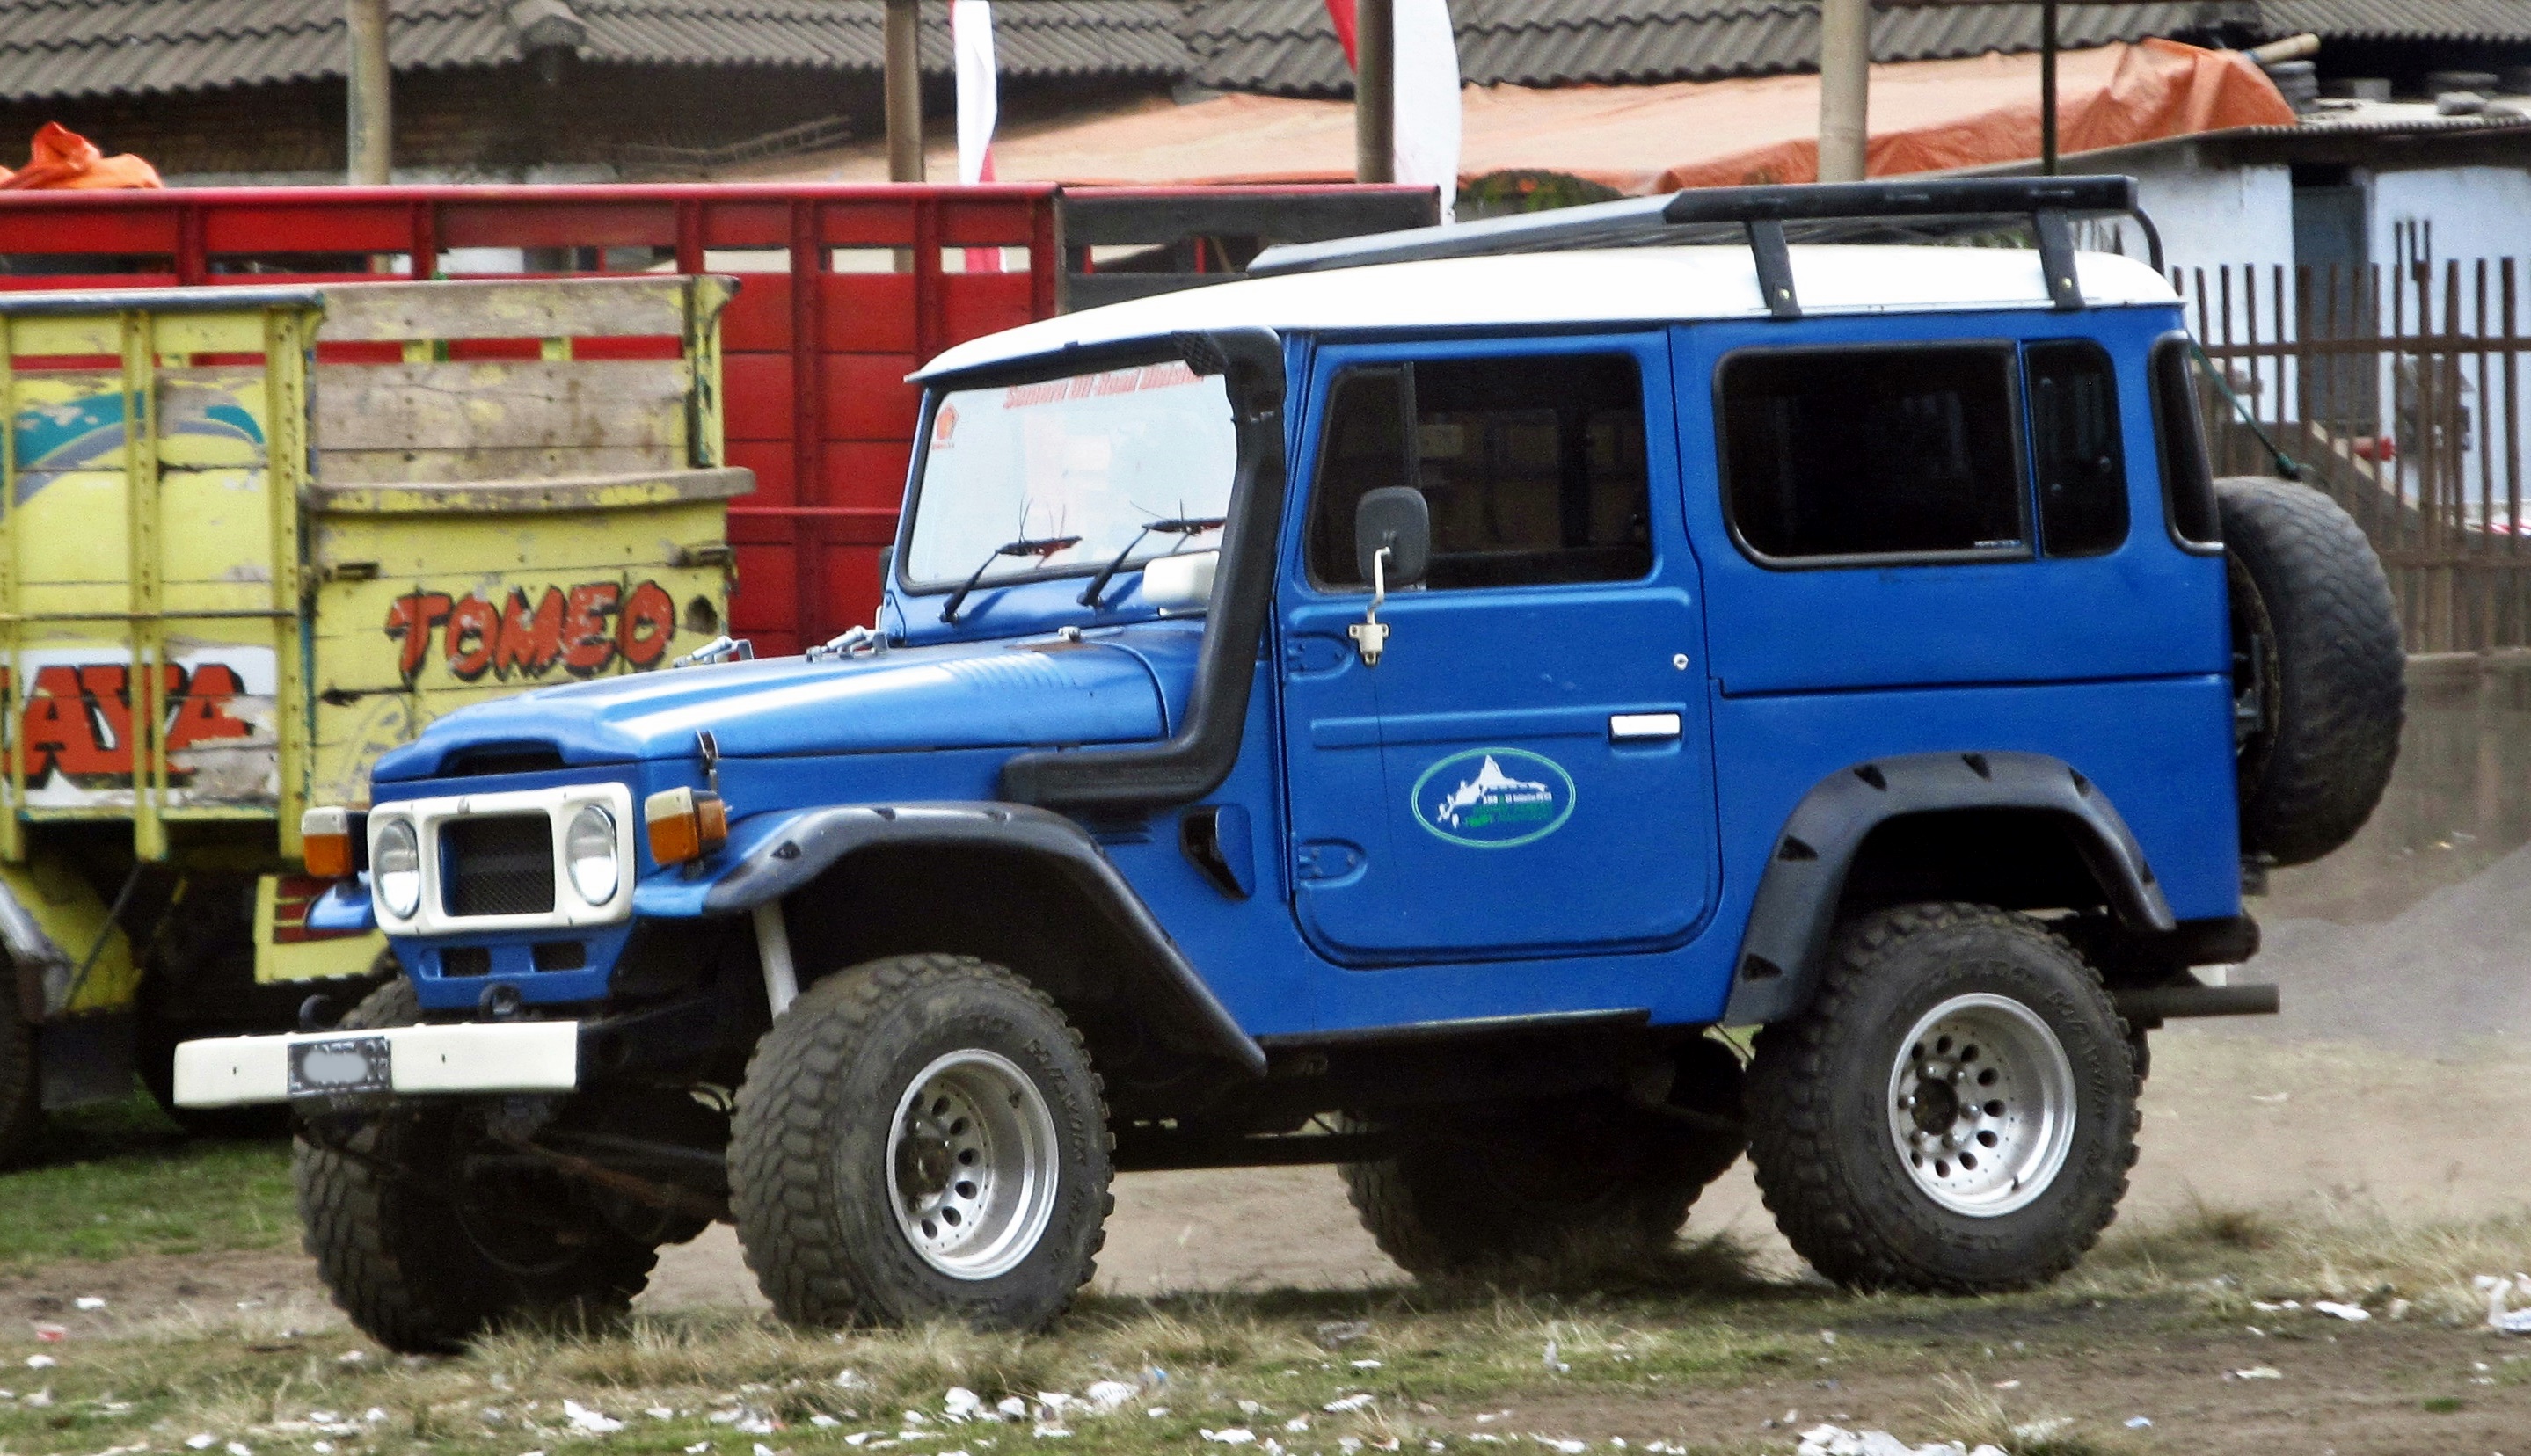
<point>497,865</point>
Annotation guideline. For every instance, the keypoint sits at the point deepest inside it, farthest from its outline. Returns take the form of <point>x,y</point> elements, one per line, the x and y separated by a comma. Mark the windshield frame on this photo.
<point>1042,369</point>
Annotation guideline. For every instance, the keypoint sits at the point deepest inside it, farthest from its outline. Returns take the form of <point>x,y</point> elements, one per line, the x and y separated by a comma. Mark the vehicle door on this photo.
<point>1526,770</point>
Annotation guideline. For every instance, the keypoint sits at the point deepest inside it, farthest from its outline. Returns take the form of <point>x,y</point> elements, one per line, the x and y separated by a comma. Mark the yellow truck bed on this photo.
<point>252,538</point>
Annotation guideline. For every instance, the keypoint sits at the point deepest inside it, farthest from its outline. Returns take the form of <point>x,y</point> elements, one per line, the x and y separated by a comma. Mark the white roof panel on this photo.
<point>1620,286</point>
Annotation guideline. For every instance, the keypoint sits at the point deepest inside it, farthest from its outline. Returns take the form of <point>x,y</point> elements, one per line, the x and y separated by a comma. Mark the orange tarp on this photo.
<point>1926,116</point>
<point>64,159</point>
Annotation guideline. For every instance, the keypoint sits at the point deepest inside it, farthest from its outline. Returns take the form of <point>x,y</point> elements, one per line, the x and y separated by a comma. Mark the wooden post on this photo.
<point>1375,90</point>
<point>1845,77</point>
<point>2048,88</point>
<point>371,110</point>
<point>904,86</point>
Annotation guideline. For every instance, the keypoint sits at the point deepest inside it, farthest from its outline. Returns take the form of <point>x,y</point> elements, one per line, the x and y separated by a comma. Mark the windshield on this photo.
<point>1060,477</point>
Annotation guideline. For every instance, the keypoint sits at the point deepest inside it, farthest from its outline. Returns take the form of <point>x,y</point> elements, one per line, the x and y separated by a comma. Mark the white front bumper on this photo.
<point>533,1056</point>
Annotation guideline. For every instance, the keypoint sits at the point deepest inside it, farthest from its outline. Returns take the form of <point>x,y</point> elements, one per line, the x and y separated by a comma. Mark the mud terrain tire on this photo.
<point>1588,1179</point>
<point>1823,1129</point>
<point>2315,627</point>
<point>814,1173</point>
<point>399,1254</point>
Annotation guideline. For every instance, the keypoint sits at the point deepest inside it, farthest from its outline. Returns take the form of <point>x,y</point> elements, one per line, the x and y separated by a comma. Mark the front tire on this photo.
<point>1954,1112</point>
<point>921,1138</point>
<point>420,1261</point>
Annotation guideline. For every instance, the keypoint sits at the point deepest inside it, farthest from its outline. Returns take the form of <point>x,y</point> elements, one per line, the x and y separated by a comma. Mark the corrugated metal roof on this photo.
<point>1041,38</point>
<point>1288,47</point>
<point>68,48</point>
<point>91,47</point>
<point>2468,20</point>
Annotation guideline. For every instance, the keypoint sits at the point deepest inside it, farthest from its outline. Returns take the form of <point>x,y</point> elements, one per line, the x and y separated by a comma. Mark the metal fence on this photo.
<point>2397,391</point>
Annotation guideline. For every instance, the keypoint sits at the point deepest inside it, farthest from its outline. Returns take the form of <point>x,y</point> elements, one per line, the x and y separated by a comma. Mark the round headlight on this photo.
<point>395,869</point>
<point>589,848</point>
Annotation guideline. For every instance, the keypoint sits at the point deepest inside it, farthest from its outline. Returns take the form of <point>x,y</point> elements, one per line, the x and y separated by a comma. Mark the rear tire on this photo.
<point>1942,1022</point>
<point>1588,1180</point>
<point>921,1138</point>
<point>2319,672</point>
<point>418,1262</point>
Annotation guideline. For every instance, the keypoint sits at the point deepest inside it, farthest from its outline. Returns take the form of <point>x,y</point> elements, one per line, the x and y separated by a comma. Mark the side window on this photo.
<point>2081,472</point>
<point>2187,478</point>
<point>1533,468</point>
<point>1844,452</point>
<point>1364,450</point>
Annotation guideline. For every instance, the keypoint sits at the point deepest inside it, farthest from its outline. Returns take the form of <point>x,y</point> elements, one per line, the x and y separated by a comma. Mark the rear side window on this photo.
<point>1533,468</point>
<point>1845,452</point>
<point>2187,478</point>
<point>2074,449</point>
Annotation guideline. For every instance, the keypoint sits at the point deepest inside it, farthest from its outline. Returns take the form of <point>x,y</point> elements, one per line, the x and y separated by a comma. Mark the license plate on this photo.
<point>339,1066</point>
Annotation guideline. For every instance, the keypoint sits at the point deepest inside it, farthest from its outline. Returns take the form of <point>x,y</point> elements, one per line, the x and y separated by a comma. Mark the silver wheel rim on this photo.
<point>970,1164</point>
<point>1982,1105</point>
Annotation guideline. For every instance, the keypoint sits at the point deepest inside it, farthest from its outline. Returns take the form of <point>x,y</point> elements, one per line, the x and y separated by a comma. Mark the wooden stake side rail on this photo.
<point>2397,389</point>
<point>815,400</point>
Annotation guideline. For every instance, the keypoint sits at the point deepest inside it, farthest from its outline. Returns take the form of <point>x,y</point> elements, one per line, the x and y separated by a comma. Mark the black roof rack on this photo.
<point>1824,211</point>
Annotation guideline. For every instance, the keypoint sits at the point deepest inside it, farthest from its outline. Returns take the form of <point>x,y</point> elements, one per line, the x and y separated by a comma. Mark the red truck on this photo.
<point>815,400</point>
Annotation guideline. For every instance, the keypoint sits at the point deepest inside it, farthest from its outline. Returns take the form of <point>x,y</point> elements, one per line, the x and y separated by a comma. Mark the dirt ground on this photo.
<point>2232,1121</point>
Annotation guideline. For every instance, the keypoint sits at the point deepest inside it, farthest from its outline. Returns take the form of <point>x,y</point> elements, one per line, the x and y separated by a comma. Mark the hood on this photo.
<point>1035,693</point>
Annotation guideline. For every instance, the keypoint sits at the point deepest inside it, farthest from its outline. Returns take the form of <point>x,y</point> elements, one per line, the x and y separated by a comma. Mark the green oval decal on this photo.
<point>1493,798</point>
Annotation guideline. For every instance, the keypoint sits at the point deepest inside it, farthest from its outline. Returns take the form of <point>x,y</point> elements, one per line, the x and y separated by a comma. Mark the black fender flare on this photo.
<point>1183,1008</point>
<point>1794,912</point>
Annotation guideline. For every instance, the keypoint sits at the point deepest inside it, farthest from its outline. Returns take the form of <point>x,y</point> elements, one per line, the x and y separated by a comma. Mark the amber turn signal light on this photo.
<point>329,841</point>
<point>684,824</point>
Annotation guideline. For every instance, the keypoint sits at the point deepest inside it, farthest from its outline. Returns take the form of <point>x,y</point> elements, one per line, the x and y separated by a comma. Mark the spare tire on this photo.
<point>2318,674</point>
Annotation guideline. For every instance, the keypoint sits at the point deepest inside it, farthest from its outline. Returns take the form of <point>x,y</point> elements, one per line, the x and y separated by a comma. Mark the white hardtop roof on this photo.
<point>1615,285</point>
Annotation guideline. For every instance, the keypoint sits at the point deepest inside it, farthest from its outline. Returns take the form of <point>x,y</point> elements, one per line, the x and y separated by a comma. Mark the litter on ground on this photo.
<point>1108,1395</point>
<point>1353,1402</point>
<point>2497,1288</point>
<point>2352,1313</point>
<point>1836,1440</point>
<point>595,1423</point>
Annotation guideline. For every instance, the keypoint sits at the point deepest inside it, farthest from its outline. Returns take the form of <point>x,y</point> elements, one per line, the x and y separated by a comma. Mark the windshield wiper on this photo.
<point>1037,546</point>
<point>1178,526</point>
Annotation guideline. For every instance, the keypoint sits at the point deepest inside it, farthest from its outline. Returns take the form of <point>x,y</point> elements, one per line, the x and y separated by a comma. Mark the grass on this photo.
<point>1581,1352</point>
<point>1575,1366</point>
<point>2353,1254</point>
<point>118,1179</point>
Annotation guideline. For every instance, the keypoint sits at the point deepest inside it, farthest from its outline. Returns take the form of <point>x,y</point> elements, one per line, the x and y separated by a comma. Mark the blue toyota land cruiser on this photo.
<point>1391,712</point>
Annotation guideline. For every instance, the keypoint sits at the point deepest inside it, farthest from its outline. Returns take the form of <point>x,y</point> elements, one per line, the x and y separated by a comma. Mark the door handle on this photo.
<point>1636,727</point>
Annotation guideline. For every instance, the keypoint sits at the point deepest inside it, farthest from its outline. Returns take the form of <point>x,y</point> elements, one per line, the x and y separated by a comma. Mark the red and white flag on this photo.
<point>1427,145</point>
<point>970,49</point>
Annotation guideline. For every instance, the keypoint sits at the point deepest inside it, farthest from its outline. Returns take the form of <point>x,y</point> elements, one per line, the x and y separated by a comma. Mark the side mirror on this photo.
<point>1182,583</point>
<point>1394,517</point>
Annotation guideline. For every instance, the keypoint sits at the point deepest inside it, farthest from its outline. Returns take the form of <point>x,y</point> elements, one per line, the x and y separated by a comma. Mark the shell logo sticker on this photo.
<point>1493,798</point>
